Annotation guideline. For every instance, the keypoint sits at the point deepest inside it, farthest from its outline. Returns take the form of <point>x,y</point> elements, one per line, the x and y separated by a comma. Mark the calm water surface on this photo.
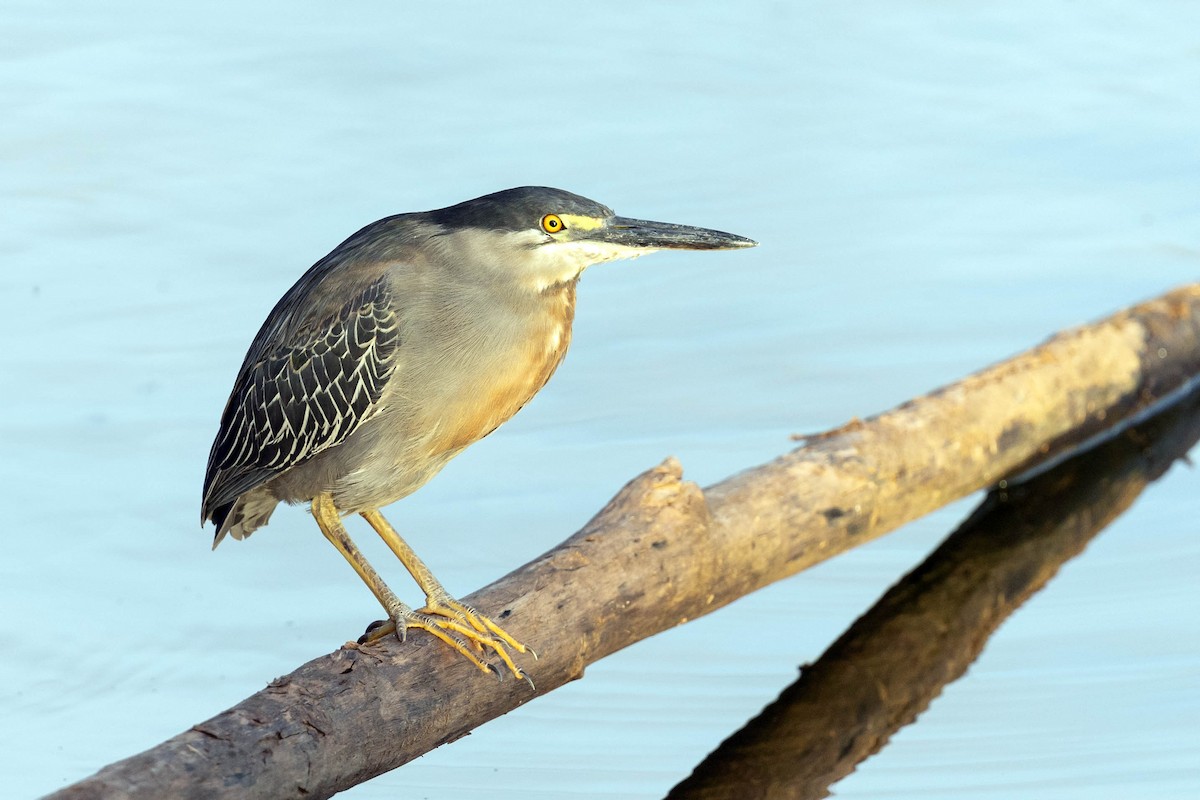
<point>934,187</point>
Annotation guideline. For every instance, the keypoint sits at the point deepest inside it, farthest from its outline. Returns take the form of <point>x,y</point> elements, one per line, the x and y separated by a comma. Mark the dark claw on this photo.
<point>374,626</point>
<point>499,675</point>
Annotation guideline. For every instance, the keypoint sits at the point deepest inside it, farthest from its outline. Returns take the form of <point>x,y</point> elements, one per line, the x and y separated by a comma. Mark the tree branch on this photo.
<point>663,552</point>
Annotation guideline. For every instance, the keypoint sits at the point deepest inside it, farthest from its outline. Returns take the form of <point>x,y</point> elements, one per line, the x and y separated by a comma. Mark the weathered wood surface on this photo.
<point>663,551</point>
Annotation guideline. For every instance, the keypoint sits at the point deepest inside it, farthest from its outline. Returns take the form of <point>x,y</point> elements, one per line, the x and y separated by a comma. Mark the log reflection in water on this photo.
<point>926,631</point>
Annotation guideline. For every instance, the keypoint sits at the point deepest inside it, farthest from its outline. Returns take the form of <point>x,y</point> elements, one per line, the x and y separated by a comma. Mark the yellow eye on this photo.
<point>551,223</point>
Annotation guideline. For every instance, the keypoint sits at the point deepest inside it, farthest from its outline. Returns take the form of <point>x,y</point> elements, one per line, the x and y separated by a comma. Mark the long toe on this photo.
<point>457,632</point>
<point>460,634</point>
<point>449,608</point>
<point>466,621</point>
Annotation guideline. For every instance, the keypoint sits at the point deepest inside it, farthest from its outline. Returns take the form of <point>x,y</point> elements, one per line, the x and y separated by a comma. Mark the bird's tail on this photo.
<point>243,516</point>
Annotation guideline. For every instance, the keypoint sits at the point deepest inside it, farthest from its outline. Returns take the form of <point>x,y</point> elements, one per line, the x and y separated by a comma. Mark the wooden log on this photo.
<point>663,552</point>
<point>927,629</point>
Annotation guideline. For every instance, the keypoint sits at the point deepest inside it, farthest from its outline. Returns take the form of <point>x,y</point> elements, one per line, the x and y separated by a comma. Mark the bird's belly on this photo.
<point>426,420</point>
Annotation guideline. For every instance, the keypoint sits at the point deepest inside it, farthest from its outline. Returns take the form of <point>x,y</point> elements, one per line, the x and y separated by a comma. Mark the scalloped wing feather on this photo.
<point>302,396</point>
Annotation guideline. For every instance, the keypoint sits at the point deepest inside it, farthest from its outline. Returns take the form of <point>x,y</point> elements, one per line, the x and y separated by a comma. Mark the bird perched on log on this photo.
<point>414,338</point>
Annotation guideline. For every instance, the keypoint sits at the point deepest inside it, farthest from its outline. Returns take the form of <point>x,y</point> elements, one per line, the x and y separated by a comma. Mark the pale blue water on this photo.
<point>935,187</point>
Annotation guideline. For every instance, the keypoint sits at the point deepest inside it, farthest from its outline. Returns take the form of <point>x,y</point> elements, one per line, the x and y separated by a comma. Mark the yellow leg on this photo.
<point>400,615</point>
<point>439,602</point>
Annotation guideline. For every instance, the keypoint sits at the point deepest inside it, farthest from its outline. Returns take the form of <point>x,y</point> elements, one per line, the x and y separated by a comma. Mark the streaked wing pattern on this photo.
<point>304,396</point>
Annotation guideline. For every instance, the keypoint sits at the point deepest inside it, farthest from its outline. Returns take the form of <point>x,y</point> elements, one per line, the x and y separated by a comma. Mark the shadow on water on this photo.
<point>929,627</point>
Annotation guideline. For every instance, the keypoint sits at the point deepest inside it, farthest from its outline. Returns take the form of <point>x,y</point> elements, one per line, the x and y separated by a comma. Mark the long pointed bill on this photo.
<point>645,235</point>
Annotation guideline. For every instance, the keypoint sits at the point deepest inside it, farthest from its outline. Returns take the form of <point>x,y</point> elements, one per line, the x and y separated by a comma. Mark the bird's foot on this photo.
<point>458,625</point>
<point>443,605</point>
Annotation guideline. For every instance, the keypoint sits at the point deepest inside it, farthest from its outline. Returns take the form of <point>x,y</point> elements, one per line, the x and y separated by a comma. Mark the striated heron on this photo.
<point>414,338</point>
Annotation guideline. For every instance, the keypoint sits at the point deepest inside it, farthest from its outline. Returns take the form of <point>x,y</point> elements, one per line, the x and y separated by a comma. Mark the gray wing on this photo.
<point>296,398</point>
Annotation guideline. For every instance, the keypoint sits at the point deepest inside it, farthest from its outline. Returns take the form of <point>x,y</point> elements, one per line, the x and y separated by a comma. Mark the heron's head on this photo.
<point>541,237</point>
